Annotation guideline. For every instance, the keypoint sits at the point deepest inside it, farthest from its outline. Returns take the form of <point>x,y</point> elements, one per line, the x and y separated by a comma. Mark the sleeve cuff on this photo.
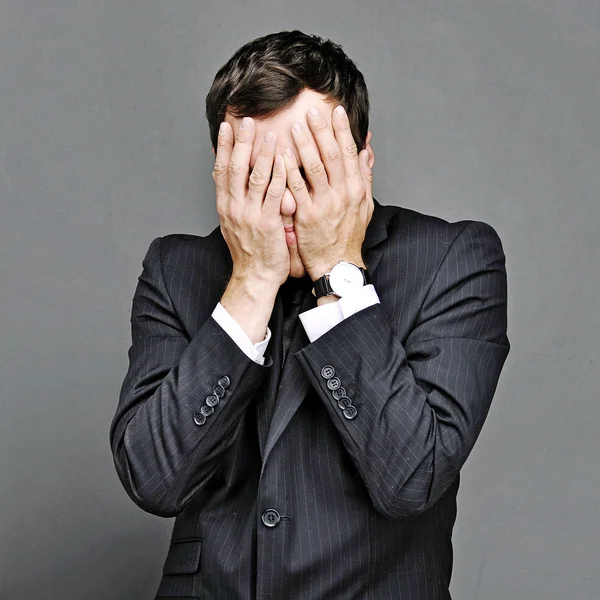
<point>321,319</point>
<point>256,351</point>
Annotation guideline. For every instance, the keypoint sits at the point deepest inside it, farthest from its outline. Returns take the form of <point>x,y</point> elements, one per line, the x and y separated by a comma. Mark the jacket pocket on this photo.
<point>183,557</point>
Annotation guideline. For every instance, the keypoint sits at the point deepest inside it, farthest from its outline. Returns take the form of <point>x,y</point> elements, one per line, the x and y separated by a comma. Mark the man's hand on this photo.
<point>250,211</point>
<point>249,207</point>
<point>331,220</point>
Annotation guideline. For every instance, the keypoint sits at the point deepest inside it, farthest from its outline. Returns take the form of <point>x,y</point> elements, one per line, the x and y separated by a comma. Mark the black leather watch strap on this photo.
<point>322,287</point>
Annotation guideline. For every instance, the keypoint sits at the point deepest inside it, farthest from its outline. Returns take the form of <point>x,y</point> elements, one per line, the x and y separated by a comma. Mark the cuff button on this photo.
<point>199,418</point>
<point>350,412</point>
<point>224,381</point>
<point>327,372</point>
<point>206,410</point>
<point>337,394</point>
<point>212,400</point>
<point>334,383</point>
<point>219,390</point>
<point>344,402</point>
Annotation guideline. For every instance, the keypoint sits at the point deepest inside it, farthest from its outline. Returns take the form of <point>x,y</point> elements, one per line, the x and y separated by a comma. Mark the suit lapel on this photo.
<point>284,394</point>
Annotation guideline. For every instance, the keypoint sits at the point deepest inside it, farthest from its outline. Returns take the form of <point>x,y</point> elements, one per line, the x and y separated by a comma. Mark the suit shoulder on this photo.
<point>422,226</point>
<point>185,257</point>
<point>186,244</point>
<point>176,240</point>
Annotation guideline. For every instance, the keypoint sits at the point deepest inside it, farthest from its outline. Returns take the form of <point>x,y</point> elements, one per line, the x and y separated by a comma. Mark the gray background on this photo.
<point>483,110</point>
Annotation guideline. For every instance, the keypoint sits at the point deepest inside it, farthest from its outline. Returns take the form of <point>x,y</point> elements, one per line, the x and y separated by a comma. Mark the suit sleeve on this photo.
<point>420,405</point>
<point>166,438</point>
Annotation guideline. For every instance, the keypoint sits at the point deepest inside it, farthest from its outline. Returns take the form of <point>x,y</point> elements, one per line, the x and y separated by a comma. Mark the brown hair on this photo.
<point>266,75</point>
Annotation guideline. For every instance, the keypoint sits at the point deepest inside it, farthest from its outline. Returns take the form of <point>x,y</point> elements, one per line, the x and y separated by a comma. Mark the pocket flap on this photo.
<point>183,557</point>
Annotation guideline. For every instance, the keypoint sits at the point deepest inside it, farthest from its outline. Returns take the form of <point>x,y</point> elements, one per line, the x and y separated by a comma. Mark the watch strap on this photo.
<point>323,288</point>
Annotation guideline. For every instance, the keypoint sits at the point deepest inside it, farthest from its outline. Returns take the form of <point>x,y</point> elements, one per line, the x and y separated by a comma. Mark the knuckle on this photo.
<point>350,149</point>
<point>234,168</point>
<point>257,178</point>
<point>317,168</point>
<point>220,168</point>
<point>274,191</point>
<point>297,185</point>
<point>335,153</point>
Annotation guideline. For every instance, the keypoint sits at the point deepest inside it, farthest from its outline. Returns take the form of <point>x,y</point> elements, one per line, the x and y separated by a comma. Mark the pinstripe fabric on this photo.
<point>367,505</point>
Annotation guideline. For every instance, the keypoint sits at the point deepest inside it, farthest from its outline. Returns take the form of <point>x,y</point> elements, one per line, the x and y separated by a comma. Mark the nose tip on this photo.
<point>288,203</point>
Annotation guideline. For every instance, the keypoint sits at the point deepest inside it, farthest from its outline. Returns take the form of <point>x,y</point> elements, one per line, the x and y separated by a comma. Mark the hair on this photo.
<point>266,76</point>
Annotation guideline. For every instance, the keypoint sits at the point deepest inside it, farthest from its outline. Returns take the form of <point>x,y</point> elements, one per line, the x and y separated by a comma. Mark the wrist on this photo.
<point>327,299</point>
<point>250,303</point>
<point>255,285</point>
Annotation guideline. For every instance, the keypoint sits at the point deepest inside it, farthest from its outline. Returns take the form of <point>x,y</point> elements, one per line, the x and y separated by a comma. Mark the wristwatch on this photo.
<point>344,278</point>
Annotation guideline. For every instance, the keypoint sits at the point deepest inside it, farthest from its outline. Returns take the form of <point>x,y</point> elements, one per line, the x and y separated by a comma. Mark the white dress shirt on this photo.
<point>315,321</point>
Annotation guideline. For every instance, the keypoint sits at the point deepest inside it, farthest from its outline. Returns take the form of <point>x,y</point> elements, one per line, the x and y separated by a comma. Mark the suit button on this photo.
<point>270,517</point>
<point>212,400</point>
<point>334,383</point>
<point>199,418</point>
<point>350,412</point>
<point>219,390</point>
<point>327,372</point>
<point>224,381</point>
<point>344,402</point>
<point>207,410</point>
<point>337,394</point>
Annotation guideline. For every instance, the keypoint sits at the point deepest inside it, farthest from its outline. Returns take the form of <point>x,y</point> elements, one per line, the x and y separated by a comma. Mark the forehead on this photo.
<point>282,123</point>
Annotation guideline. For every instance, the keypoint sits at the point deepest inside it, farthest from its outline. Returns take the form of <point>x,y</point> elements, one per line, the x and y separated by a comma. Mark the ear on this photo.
<point>370,149</point>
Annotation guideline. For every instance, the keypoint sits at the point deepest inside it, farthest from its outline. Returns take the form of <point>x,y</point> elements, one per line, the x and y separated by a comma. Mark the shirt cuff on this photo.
<point>321,319</point>
<point>256,352</point>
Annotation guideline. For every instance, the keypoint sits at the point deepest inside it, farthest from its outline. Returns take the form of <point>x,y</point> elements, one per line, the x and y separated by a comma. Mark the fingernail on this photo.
<point>279,161</point>
<point>269,137</point>
<point>314,112</point>
<point>340,110</point>
<point>246,123</point>
<point>289,152</point>
<point>297,128</point>
<point>222,127</point>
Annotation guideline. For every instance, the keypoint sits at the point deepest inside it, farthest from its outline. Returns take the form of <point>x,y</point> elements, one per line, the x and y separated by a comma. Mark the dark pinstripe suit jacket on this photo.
<point>359,508</point>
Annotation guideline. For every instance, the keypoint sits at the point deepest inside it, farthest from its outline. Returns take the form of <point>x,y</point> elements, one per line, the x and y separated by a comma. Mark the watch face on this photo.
<point>344,278</point>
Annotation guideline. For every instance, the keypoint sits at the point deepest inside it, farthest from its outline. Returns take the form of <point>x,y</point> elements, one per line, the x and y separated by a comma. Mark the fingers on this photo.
<point>272,200</point>
<point>329,148</point>
<point>343,135</point>
<point>295,181</point>
<point>261,172</point>
<point>219,174</point>
<point>232,165</point>
<point>239,161</point>
<point>310,159</point>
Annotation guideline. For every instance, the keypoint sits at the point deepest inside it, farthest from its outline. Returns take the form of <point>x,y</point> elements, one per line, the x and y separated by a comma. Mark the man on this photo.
<point>306,381</point>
